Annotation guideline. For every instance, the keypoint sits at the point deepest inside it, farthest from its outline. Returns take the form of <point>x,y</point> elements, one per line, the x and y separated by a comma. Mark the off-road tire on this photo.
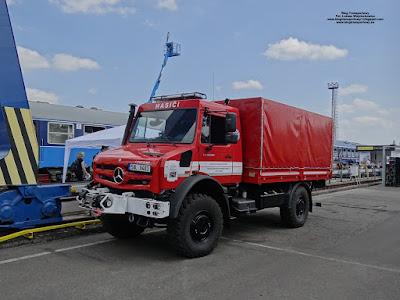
<point>120,227</point>
<point>197,229</point>
<point>296,215</point>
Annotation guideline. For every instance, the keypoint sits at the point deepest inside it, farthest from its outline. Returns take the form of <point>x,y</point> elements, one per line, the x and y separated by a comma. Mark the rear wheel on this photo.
<point>198,227</point>
<point>296,215</point>
<point>120,227</point>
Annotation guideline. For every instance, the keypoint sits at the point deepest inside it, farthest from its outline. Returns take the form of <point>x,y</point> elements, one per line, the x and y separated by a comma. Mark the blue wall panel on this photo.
<point>53,157</point>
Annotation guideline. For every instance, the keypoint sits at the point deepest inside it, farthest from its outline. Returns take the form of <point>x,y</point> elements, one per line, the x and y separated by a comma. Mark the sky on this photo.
<point>108,53</point>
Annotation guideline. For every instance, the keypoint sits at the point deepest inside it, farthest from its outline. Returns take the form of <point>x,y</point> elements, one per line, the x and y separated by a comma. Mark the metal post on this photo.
<point>383,167</point>
<point>333,86</point>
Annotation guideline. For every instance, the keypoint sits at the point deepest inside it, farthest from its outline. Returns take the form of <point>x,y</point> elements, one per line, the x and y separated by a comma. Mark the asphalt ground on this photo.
<point>348,249</point>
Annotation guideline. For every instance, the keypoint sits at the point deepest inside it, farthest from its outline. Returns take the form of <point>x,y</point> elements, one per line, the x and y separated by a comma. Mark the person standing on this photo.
<point>81,170</point>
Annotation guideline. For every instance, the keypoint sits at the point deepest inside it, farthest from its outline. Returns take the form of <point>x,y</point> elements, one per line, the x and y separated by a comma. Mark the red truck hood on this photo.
<point>140,152</point>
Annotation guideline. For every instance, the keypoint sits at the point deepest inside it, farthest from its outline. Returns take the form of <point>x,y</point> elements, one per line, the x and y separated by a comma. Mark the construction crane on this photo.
<point>171,49</point>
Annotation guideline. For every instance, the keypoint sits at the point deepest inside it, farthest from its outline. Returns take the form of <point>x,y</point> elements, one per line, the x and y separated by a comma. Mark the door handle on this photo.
<point>228,156</point>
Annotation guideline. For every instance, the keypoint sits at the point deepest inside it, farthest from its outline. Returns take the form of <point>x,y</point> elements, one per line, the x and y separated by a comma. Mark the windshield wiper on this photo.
<point>148,144</point>
<point>168,140</point>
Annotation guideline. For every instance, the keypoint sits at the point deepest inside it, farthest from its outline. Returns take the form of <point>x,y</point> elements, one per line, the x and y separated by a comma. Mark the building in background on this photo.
<point>345,152</point>
<point>374,153</point>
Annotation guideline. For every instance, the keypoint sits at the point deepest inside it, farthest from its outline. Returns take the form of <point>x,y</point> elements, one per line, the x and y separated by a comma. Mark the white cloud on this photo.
<point>218,88</point>
<point>168,4</point>
<point>368,119</point>
<point>293,49</point>
<point>92,91</point>
<point>365,104</point>
<point>149,23</point>
<point>360,105</point>
<point>31,59</point>
<point>353,89</point>
<point>39,95</point>
<point>249,85</point>
<point>66,62</point>
<point>98,7</point>
<point>367,122</point>
<point>346,108</point>
<point>11,2</point>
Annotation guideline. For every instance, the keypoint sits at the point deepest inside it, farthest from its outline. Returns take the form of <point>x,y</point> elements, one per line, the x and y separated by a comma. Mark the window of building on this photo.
<point>58,133</point>
<point>92,128</point>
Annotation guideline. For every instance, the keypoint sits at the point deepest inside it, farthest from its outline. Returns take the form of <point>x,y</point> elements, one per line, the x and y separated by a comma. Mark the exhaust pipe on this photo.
<point>129,123</point>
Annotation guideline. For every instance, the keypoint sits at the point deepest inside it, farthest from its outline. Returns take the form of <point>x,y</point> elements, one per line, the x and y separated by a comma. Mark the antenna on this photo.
<point>213,86</point>
<point>171,49</point>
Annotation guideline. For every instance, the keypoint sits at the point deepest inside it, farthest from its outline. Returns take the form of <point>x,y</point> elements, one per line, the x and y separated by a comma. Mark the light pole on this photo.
<point>334,86</point>
<point>383,166</point>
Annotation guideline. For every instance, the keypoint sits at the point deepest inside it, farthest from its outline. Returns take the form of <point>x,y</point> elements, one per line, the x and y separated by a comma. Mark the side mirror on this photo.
<point>230,122</point>
<point>231,138</point>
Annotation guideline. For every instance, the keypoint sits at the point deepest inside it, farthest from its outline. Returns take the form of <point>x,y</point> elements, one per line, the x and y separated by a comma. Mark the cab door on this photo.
<point>215,155</point>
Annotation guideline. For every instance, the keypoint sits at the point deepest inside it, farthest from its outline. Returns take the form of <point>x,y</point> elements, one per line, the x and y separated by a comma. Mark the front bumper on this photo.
<point>103,201</point>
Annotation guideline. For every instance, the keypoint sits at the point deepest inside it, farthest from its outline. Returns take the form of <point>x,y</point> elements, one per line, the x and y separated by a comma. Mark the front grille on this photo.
<point>131,181</point>
<point>101,176</point>
<point>135,181</point>
<point>106,167</point>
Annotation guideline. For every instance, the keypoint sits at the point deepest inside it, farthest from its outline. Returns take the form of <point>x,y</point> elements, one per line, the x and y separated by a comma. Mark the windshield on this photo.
<point>165,126</point>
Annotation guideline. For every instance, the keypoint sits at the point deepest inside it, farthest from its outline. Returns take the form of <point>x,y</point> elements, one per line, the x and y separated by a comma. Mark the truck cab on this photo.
<point>170,140</point>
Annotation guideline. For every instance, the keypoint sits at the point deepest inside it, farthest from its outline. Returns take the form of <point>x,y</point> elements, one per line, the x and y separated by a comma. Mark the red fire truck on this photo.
<point>193,165</point>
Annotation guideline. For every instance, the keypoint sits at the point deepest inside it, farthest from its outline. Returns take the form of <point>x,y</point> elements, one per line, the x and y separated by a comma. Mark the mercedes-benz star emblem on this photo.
<point>118,175</point>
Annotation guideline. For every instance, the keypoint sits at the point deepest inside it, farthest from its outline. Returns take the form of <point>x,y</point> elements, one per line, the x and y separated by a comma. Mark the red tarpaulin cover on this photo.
<point>282,141</point>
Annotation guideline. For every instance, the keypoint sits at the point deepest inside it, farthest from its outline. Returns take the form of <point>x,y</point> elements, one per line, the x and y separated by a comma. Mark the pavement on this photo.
<point>348,249</point>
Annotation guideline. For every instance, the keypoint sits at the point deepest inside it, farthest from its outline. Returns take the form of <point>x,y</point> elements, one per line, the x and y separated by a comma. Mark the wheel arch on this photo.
<point>199,184</point>
<point>307,186</point>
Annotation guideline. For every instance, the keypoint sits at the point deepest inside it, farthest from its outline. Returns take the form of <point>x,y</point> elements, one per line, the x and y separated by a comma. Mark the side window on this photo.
<point>58,133</point>
<point>205,129</point>
<point>213,130</point>
<point>91,128</point>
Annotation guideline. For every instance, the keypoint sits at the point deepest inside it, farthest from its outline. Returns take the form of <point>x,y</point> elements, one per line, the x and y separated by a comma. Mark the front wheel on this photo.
<point>198,227</point>
<point>120,227</point>
<point>296,215</point>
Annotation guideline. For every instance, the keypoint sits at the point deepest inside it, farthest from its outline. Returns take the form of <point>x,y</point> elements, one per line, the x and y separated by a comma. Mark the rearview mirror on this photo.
<point>231,138</point>
<point>230,122</point>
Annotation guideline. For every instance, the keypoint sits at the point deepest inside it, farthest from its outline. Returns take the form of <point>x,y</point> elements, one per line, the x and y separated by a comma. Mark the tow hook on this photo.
<point>143,222</point>
<point>131,218</point>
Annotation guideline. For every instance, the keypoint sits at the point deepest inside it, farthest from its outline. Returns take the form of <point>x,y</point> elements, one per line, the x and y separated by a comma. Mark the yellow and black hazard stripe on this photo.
<point>20,166</point>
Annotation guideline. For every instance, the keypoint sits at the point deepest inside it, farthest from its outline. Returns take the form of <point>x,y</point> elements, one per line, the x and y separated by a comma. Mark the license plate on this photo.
<point>139,168</point>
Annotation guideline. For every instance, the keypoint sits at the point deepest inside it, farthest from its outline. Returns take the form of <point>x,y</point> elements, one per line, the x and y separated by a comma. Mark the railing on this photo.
<point>357,171</point>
